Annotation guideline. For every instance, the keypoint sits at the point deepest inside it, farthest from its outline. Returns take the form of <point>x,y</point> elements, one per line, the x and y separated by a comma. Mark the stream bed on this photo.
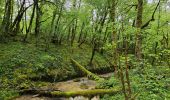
<point>77,84</point>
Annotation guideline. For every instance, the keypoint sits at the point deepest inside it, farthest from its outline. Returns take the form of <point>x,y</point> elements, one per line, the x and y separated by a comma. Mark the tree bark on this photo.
<point>37,20</point>
<point>138,49</point>
<point>5,26</point>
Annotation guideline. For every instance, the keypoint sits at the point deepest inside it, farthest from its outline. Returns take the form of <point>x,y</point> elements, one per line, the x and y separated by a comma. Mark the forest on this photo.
<point>84,50</point>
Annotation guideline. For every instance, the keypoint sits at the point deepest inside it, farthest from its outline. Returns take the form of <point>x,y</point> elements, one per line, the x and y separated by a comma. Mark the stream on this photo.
<point>77,84</point>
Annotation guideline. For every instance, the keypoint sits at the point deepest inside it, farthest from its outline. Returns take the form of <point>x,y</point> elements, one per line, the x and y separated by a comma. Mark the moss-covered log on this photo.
<point>85,71</point>
<point>72,93</point>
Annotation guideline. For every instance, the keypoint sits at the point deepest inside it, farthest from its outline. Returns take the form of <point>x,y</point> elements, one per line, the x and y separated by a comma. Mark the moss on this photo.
<point>72,93</point>
<point>85,71</point>
<point>85,92</point>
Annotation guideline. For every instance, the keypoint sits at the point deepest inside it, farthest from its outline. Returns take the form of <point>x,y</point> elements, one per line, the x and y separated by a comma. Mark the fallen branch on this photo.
<point>85,71</point>
<point>71,93</point>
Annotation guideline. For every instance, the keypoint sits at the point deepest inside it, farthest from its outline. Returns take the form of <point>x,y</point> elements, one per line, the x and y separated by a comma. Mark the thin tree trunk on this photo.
<point>93,52</point>
<point>123,83</point>
<point>81,32</point>
<point>56,28</point>
<point>30,24</point>
<point>127,68</point>
<point>5,26</point>
<point>37,26</point>
<point>156,43</point>
<point>114,34</point>
<point>138,49</point>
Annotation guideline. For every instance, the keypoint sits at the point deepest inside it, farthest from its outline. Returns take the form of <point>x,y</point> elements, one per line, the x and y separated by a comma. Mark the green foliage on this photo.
<point>7,94</point>
<point>150,83</point>
<point>110,83</point>
<point>21,63</point>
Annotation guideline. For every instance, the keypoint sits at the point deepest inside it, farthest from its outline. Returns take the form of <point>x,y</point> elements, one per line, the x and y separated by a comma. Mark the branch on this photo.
<point>50,2</point>
<point>130,7</point>
<point>85,71</point>
<point>45,19</point>
<point>152,18</point>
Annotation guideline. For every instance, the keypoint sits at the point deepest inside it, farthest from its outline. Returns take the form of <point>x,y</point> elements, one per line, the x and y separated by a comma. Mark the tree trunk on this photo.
<point>93,92</point>
<point>16,24</point>
<point>37,21</point>
<point>114,34</point>
<point>5,26</point>
<point>81,32</point>
<point>94,48</point>
<point>30,24</point>
<point>85,71</point>
<point>138,48</point>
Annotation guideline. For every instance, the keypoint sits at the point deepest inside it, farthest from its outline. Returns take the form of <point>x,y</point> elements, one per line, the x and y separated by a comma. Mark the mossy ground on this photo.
<point>23,63</point>
<point>26,58</point>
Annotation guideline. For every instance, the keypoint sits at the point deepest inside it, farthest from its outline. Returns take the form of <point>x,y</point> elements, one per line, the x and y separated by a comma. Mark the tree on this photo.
<point>6,23</point>
<point>138,49</point>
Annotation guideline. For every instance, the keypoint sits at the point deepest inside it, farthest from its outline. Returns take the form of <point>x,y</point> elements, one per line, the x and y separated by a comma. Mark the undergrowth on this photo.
<point>21,64</point>
<point>26,66</point>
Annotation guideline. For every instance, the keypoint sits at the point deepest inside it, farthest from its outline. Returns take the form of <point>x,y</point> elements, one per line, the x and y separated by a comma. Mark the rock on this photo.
<point>96,98</point>
<point>71,98</point>
<point>80,98</point>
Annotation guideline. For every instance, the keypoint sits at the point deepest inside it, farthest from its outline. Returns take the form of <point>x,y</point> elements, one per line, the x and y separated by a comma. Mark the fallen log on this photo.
<point>71,93</point>
<point>87,72</point>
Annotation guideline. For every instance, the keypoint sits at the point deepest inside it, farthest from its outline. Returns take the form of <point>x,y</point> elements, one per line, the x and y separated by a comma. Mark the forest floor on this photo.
<point>26,66</point>
<point>22,65</point>
<point>53,65</point>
